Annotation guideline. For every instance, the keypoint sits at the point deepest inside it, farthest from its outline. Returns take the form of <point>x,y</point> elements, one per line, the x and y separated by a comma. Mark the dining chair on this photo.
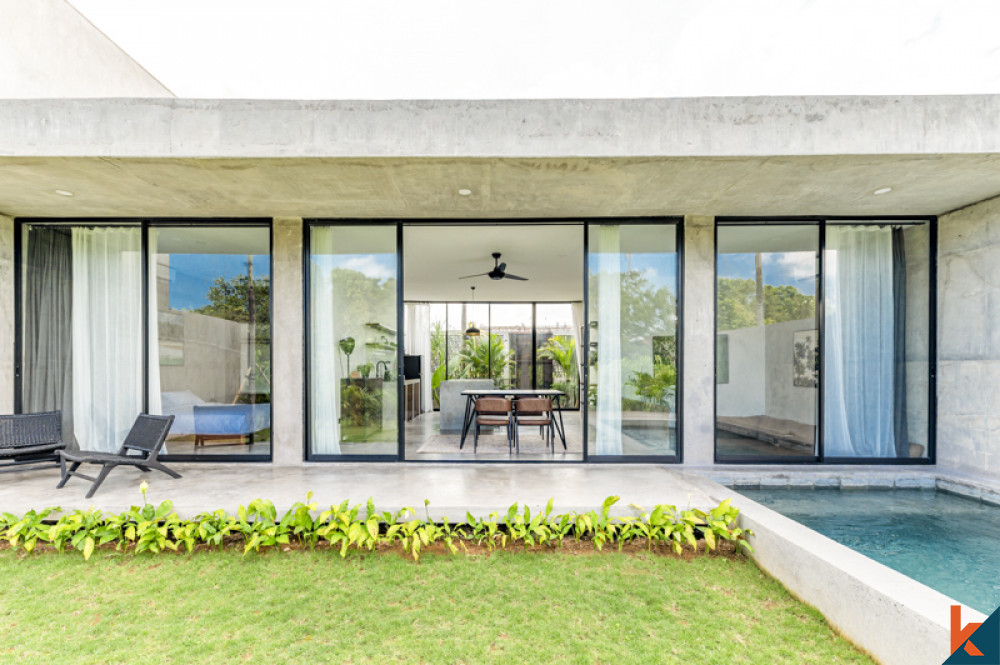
<point>494,412</point>
<point>535,411</point>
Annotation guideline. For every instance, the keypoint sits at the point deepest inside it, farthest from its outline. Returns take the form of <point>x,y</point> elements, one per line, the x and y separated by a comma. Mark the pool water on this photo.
<point>949,543</point>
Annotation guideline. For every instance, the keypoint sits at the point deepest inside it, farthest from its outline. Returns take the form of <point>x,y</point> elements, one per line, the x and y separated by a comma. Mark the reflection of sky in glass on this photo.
<point>660,269</point>
<point>796,269</point>
<point>376,266</point>
<point>192,275</point>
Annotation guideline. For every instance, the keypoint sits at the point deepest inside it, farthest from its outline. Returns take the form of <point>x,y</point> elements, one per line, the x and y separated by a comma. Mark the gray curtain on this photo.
<point>48,289</point>
<point>899,347</point>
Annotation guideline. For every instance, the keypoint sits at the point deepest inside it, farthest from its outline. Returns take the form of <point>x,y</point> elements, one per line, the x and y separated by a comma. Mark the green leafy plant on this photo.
<point>657,388</point>
<point>157,528</point>
<point>27,530</point>
<point>481,360</point>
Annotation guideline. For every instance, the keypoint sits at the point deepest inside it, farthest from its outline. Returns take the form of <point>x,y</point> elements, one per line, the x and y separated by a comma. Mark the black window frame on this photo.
<point>401,223</point>
<point>144,224</point>
<point>822,222</point>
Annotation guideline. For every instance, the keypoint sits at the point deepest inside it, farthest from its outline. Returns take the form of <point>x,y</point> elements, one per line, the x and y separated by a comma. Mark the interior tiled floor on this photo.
<point>420,429</point>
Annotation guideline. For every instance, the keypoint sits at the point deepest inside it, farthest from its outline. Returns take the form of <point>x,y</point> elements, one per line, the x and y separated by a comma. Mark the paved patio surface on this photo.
<point>452,489</point>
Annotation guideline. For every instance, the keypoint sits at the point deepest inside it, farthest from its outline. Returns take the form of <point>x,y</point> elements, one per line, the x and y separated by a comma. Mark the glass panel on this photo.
<point>556,364</point>
<point>353,340</point>
<point>468,355</point>
<point>632,377</point>
<point>875,361</point>
<point>82,329</point>
<point>510,345</point>
<point>210,338</point>
<point>439,327</point>
<point>767,341</point>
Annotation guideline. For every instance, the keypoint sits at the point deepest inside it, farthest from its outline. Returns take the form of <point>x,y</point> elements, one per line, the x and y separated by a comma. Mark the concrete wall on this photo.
<point>968,424</point>
<point>698,324</point>
<point>783,398</point>
<point>214,358</point>
<point>916,241</point>
<point>6,314</point>
<point>288,343</point>
<point>760,374</point>
<point>48,49</point>
<point>744,394</point>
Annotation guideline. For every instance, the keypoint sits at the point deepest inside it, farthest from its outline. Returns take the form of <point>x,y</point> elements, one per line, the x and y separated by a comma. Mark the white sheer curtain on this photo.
<point>418,343</point>
<point>324,372</point>
<point>859,342</point>
<point>107,335</point>
<point>153,372</point>
<point>607,252</point>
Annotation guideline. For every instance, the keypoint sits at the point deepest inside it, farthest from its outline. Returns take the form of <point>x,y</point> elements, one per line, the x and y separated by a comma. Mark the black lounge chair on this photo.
<point>30,441</point>
<point>146,437</point>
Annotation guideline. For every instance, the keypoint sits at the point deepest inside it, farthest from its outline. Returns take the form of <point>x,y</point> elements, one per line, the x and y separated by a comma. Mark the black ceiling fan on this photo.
<point>498,272</point>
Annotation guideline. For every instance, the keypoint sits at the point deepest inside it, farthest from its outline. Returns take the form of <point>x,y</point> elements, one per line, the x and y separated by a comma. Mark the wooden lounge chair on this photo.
<point>146,438</point>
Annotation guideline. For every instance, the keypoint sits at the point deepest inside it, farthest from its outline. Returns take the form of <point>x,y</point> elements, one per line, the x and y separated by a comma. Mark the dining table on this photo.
<point>473,394</point>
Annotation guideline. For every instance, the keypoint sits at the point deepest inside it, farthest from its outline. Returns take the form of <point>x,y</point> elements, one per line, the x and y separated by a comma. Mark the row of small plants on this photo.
<point>157,528</point>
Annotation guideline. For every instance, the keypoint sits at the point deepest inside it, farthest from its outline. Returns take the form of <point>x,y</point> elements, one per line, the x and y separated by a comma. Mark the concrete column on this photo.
<point>288,343</point>
<point>968,379</point>
<point>699,340</point>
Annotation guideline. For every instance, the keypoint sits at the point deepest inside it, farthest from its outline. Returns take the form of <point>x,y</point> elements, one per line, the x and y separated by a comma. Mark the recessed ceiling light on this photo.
<point>465,192</point>
<point>882,190</point>
<point>63,192</point>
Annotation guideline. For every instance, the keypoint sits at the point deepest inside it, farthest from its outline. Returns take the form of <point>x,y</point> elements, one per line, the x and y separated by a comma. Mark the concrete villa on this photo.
<point>760,290</point>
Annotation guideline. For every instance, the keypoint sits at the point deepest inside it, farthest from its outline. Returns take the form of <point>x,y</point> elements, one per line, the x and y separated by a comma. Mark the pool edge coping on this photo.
<point>891,617</point>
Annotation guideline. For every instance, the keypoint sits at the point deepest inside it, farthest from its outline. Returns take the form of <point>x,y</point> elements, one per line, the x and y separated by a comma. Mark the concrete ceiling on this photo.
<point>550,256</point>
<point>428,188</point>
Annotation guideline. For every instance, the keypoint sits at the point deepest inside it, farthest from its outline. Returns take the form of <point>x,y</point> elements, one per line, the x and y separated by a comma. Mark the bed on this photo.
<point>214,421</point>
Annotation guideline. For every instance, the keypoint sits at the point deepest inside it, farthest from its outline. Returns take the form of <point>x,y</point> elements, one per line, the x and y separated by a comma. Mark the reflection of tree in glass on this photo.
<point>231,299</point>
<point>359,299</point>
<point>737,304</point>
<point>806,363</point>
<point>648,343</point>
<point>646,309</point>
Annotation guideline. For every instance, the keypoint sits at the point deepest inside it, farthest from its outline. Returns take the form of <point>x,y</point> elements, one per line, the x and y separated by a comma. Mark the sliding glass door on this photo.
<point>823,359</point>
<point>210,338</point>
<point>353,330</point>
<point>632,362</point>
<point>767,337</point>
<point>206,311</point>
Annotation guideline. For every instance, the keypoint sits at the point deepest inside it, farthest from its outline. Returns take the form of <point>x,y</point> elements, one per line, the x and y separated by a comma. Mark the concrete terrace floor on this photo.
<point>452,489</point>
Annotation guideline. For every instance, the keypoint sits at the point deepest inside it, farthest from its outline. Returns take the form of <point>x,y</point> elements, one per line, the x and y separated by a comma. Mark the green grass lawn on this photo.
<point>314,607</point>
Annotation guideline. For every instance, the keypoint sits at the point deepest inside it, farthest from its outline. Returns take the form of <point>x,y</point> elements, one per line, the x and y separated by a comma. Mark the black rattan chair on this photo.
<point>30,440</point>
<point>146,438</point>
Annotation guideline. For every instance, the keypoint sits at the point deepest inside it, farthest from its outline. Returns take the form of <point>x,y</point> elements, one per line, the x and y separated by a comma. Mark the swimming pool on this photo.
<point>949,543</point>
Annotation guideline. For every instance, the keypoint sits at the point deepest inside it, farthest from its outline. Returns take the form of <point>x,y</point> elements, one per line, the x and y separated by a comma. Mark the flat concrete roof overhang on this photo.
<point>523,158</point>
